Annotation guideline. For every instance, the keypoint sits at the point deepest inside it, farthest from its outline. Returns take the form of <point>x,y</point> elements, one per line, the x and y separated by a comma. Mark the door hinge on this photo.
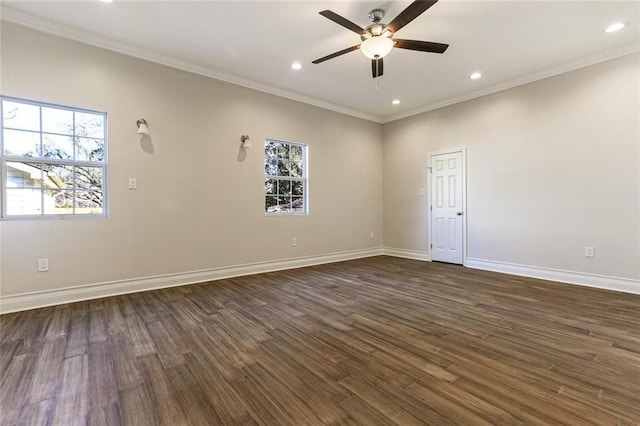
<point>430,246</point>
<point>431,208</point>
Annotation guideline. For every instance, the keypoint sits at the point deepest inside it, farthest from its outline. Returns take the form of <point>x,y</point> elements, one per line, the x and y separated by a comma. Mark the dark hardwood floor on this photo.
<point>370,342</point>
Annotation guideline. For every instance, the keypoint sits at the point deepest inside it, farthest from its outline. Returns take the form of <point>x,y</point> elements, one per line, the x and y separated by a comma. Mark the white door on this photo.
<point>447,218</point>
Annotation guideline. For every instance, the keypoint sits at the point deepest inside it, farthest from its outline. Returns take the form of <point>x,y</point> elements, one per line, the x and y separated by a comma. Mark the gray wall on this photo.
<point>199,204</point>
<point>552,166</point>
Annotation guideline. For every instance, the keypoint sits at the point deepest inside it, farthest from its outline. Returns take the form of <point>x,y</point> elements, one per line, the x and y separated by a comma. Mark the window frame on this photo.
<point>304,178</point>
<point>4,159</point>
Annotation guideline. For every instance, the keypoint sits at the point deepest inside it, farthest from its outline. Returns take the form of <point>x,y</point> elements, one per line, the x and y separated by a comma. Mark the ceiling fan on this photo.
<point>377,38</point>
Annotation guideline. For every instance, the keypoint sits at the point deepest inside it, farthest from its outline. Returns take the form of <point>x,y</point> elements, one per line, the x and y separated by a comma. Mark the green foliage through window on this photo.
<point>53,159</point>
<point>285,184</point>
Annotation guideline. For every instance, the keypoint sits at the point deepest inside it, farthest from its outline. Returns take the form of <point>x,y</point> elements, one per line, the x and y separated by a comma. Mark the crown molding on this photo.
<point>520,81</point>
<point>65,31</point>
<point>43,25</point>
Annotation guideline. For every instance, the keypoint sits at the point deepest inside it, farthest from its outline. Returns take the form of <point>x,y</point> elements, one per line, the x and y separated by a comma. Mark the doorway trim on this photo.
<point>430,155</point>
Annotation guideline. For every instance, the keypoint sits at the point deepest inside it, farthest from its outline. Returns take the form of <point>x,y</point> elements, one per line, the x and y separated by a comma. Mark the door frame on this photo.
<point>430,156</point>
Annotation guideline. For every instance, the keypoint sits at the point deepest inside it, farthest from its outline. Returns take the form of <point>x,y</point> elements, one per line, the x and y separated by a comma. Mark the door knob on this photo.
<point>459,213</point>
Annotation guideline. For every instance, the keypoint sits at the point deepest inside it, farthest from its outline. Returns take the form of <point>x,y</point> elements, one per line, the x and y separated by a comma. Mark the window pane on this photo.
<point>19,143</point>
<point>284,187</point>
<point>57,147</point>
<point>297,187</point>
<point>271,167</point>
<point>296,169</point>
<point>56,120</point>
<point>297,204</point>
<point>271,150</point>
<point>270,186</point>
<point>20,116</point>
<point>59,177</point>
<point>58,201</point>
<point>283,152</point>
<point>297,160</point>
<point>89,178</point>
<point>90,149</point>
<point>88,202</point>
<point>284,203</point>
<point>90,125</point>
<point>23,175</point>
<point>24,201</point>
<point>270,203</point>
<point>283,160</point>
<point>283,167</point>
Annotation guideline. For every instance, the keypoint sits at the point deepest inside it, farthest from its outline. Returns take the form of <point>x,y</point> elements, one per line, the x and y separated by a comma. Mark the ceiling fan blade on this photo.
<point>422,46</point>
<point>377,67</point>
<point>412,11</point>
<point>336,54</point>
<point>342,21</point>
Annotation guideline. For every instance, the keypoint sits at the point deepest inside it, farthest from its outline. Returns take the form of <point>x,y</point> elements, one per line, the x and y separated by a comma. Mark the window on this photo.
<point>285,178</point>
<point>53,160</point>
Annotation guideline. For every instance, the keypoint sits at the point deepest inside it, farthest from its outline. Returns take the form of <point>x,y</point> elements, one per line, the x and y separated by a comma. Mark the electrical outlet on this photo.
<point>589,251</point>
<point>133,183</point>
<point>421,192</point>
<point>372,235</point>
<point>294,242</point>
<point>43,265</point>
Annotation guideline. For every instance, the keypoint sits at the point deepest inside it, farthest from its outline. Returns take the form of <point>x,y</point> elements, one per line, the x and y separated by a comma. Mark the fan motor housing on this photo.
<point>375,30</point>
<point>376,15</point>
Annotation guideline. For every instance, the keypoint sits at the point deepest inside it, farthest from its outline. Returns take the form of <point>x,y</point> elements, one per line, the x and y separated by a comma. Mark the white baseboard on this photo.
<point>23,302</point>
<point>407,254</point>
<point>625,285</point>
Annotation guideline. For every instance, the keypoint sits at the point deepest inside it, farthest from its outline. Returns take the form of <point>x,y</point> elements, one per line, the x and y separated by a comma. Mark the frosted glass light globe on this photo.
<point>376,47</point>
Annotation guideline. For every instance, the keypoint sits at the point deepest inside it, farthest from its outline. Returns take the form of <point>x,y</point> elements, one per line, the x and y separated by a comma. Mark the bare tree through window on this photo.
<point>285,177</point>
<point>54,157</point>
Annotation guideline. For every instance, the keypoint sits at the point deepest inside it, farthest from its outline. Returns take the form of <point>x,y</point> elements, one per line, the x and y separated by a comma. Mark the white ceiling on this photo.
<point>253,43</point>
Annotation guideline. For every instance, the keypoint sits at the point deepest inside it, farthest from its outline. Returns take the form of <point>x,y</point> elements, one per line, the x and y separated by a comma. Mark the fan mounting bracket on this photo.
<point>376,15</point>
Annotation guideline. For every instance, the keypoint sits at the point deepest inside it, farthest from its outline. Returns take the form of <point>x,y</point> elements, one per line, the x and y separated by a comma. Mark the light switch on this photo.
<point>133,183</point>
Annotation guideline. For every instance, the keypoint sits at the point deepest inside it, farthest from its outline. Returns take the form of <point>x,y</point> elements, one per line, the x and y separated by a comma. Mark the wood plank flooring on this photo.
<point>374,341</point>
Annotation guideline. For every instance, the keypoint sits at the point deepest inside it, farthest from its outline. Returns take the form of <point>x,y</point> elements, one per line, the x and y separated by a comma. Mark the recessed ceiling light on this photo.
<point>106,1</point>
<point>296,65</point>
<point>395,101</point>
<point>617,26</point>
<point>475,76</point>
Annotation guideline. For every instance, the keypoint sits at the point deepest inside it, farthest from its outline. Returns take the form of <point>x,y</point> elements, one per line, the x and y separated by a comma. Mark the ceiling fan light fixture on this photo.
<point>377,39</point>
<point>376,47</point>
